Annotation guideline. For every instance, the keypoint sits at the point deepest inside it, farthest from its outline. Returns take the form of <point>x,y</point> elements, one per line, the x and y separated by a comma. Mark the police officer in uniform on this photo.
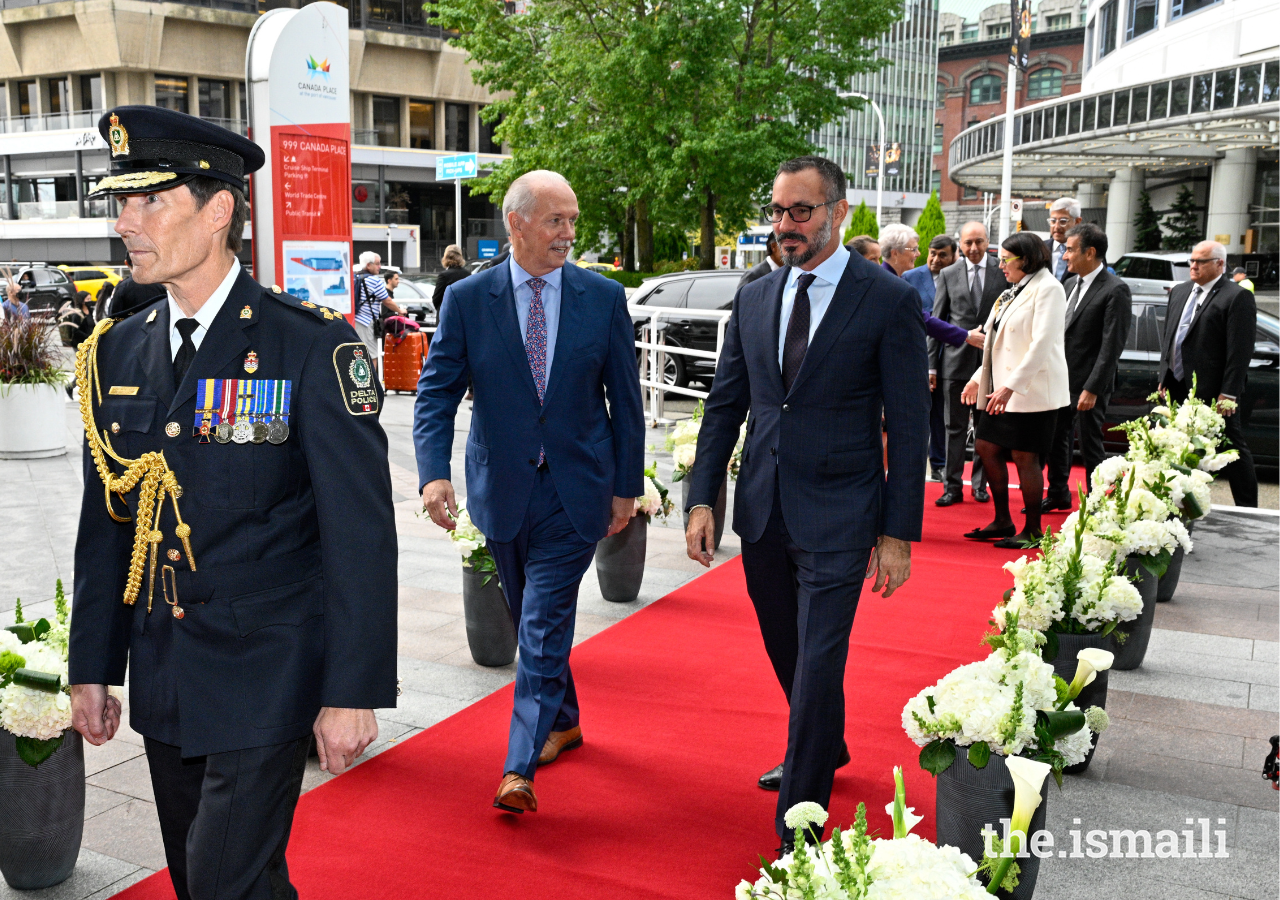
<point>237,544</point>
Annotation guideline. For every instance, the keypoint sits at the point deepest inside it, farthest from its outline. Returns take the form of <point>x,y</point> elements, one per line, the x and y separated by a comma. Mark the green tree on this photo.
<point>931,222</point>
<point>863,221</point>
<point>678,110</point>
<point>1183,223</point>
<point>1146,225</point>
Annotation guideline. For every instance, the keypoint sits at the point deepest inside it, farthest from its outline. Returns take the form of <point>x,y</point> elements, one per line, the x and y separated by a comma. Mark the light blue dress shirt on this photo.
<point>550,305</point>
<point>827,276</point>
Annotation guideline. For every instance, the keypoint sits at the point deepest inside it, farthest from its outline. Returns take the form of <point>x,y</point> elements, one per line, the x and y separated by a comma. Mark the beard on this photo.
<point>808,249</point>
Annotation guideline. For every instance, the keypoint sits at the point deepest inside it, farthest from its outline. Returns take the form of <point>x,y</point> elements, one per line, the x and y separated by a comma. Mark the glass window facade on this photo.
<point>172,92</point>
<point>1057,23</point>
<point>91,92</point>
<point>489,143</point>
<point>1044,83</point>
<point>1106,29</point>
<point>457,127</point>
<point>422,124</point>
<point>1144,16</point>
<point>1180,8</point>
<point>59,96</point>
<point>907,93</point>
<point>28,98</point>
<point>215,99</point>
<point>985,89</point>
<point>386,120</point>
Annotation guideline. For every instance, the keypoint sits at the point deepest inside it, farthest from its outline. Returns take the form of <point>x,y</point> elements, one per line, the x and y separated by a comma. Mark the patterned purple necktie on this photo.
<point>535,345</point>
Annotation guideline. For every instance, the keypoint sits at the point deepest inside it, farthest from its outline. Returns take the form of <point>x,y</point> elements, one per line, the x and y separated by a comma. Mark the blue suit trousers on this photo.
<point>540,570</point>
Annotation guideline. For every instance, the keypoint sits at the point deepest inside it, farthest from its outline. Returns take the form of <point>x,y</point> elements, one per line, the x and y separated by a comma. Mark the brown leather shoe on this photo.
<point>558,742</point>
<point>515,794</point>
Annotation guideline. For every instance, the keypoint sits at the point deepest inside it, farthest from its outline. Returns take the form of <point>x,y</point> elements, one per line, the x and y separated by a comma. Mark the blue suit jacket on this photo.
<point>821,441</point>
<point>595,452</point>
<point>921,279</point>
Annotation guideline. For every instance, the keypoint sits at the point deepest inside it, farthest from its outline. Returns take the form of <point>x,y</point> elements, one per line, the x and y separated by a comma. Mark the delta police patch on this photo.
<point>355,378</point>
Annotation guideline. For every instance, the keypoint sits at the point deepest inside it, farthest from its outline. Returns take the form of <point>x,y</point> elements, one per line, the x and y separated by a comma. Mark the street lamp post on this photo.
<point>880,173</point>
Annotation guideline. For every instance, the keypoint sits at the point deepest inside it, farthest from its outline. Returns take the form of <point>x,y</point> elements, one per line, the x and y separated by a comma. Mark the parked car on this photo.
<point>415,298</point>
<point>688,290</point>
<point>44,288</point>
<point>1138,375</point>
<point>598,267</point>
<point>92,278</point>
<point>1154,274</point>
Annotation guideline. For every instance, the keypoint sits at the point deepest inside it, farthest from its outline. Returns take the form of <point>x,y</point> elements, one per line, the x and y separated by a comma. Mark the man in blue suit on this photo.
<point>815,352</point>
<point>550,468</point>
<point>942,253</point>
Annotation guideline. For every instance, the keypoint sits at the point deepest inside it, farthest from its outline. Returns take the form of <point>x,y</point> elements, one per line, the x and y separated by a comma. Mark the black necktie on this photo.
<point>187,352</point>
<point>797,332</point>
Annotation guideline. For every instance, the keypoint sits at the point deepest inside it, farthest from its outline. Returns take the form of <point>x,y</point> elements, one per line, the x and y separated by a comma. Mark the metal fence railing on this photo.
<point>653,347</point>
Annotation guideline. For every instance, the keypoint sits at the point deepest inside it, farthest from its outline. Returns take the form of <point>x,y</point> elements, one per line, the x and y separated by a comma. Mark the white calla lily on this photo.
<point>1089,662</point>
<point>1028,778</point>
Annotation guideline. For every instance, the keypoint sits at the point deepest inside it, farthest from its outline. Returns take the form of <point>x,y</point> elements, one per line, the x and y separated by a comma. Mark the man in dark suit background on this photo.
<point>942,253</point>
<point>815,352</point>
<point>1209,333</point>
<point>550,468</point>
<point>771,262</point>
<point>1064,215</point>
<point>966,292</point>
<point>1099,312</point>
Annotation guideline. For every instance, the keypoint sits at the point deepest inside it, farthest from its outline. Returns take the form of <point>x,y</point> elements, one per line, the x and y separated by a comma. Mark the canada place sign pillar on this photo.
<point>300,114</point>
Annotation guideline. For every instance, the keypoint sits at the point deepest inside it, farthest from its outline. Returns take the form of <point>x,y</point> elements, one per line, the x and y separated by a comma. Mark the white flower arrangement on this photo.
<point>682,442</point>
<point>1130,520</point>
<point>469,541</point>
<point>1009,704</point>
<point>853,866</point>
<point>1186,491</point>
<point>35,702</point>
<point>1186,436</point>
<point>656,500</point>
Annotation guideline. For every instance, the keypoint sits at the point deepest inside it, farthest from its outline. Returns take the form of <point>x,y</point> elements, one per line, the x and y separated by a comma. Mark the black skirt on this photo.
<point>1030,432</point>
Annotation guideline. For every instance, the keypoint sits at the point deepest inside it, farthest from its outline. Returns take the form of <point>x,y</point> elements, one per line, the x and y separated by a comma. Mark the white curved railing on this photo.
<point>653,362</point>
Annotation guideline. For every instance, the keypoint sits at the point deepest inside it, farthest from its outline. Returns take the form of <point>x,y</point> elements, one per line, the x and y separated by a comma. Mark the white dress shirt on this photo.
<point>204,316</point>
<point>1058,250</point>
<point>826,277</point>
<point>1084,282</point>
<point>550,305</point>
<point>982,274</point>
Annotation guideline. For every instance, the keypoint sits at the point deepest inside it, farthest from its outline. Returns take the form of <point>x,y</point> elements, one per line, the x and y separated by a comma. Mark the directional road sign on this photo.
<point>464,165</point>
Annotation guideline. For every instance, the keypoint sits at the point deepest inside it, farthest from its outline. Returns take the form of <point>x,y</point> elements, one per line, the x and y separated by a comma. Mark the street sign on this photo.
<point>464,165</point>
<point>1015,209</point>
<point>487,249</point>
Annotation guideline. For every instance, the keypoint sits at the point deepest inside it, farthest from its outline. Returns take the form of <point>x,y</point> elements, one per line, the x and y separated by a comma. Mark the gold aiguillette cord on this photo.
<point>150,469</point>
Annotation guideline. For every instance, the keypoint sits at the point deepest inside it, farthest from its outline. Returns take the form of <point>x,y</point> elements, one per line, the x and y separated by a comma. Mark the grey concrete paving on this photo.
<point>1188,737</point>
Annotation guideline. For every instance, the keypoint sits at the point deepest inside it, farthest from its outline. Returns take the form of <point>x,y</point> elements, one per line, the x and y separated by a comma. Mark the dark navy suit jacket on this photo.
<point>292,605</point>
<point>596,452</point>
<point>821,442</point>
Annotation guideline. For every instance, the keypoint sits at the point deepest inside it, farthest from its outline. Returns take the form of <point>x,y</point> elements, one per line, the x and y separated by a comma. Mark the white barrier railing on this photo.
<point>653,362</point>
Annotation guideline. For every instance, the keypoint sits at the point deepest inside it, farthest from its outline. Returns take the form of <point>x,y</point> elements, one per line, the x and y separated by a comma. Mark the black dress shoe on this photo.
<point>981,495</point>
<point>772,780</point>
<point>1017,542</point>
<point>935,473</point>
<point>949,499</point>
<point>988,533</point>
<point>1049,504</point>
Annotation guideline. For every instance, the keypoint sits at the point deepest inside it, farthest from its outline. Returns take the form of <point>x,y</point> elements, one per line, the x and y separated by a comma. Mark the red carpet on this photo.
<point>681,713</point>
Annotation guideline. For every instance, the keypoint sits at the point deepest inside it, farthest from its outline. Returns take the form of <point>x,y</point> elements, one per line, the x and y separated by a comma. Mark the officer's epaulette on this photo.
<point>321,312</point>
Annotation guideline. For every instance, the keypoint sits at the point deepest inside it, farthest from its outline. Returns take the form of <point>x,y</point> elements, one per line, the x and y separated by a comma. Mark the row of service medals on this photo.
<point>242,411</point>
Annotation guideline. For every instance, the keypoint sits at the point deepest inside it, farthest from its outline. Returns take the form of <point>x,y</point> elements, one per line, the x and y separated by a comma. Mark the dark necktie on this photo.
<point>187,352</point>
<point>1075,299</point>
<point>535,345</point>
<point>797,342</point>
<point>975,288</point>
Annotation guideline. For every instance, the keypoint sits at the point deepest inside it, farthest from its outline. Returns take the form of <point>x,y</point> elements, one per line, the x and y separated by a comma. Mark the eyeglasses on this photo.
<point>1206,262</point>
<point>798,213</point>
<point>1061,221</point>
<point>1005,260</point>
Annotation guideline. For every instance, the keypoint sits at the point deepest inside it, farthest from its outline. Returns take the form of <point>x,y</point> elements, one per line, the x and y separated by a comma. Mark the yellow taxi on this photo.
<point>598,266</point>
<point>91,278</point>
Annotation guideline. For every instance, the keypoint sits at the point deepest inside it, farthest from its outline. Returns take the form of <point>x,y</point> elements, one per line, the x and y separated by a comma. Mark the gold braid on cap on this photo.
<point>150,469</point>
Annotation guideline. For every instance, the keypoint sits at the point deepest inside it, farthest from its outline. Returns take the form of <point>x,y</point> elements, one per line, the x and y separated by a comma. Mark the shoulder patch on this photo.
<point>320,312</point>
<point>355,379</point>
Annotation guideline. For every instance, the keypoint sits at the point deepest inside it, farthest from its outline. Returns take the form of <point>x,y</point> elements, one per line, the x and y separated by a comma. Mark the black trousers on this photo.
<point>805,603</point>
<point>957,416</point>
<point>1241,474</point>
<point>1091,450</point>
<point>225,818</point>
<point>938,428</point>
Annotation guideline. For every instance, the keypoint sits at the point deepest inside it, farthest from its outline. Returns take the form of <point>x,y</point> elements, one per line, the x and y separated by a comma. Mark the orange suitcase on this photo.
<point>402,360</point>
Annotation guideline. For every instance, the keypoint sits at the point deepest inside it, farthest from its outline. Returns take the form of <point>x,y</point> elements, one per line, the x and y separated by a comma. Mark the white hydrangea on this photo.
<point>652,503</point>
<point>1075,746</point>
<point>466,537</point>
<point>683,456</point>
<point>1039,597</point>
<point>27,712</point>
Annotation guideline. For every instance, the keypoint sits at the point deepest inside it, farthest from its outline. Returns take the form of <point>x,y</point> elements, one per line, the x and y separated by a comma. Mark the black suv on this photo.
<point>1138,374</point>
<point>44,289</point>
<point>688,290</point>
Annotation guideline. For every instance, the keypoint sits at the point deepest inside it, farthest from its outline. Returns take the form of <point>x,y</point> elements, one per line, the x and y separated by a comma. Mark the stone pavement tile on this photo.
<point>99,800</point>
<point>1266,651</point>
<point>1255,751</point>
<point>433,645</point>
<point>422,710</point>
<point>1192,779</point>
<point>93,872</point>
<point>1095,879</point>
<point>1245,874</point>
<point>1182,742</point>
<point>423,619</point>
<point>455,682</point>
<point>112,753</point>
<point>1263,696</point>
<point>128,881</point>
<point>1182,687</point>
<point>129,832</point>
<point>1176,617</point>
<point>1187,713</point>
<point>1256,829</point>
<point>412,597</point>
<point>1163,642</point>
<point>1161,659</point>
<point>1197,591</point>
<point>131,777</point>
<point>587,625</point>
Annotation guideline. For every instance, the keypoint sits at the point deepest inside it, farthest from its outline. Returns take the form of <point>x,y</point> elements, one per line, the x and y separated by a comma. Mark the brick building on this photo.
<point>973,66</point>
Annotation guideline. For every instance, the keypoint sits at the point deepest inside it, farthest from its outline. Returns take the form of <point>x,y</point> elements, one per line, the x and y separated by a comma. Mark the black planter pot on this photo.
<point>717,510</point>
<point>41,814</point>
<point>970,799</point>
<point>1130,654</point>
<point>1095,694</point>
<point>620,561</point>
<point>1169,580</point>
<point>491,635</point>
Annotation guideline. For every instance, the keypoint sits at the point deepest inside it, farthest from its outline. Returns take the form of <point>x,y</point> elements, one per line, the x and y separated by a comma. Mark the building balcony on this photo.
<point>51,121</point>
<point>48,210</point>
<point>1162,124</point>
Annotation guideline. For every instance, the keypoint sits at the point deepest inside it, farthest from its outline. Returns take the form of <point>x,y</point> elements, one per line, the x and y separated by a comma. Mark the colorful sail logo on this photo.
<point>318,68</point>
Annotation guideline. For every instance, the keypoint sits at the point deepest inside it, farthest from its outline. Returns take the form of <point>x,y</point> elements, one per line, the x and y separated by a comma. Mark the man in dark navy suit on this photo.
<point>251,616</point>
<point>815,353</point>
<point>550,468</point>
<point>1064,214</point>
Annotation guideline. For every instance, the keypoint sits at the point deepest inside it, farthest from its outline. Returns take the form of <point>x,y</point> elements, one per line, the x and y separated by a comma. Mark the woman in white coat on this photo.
<point>1022,384</point>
